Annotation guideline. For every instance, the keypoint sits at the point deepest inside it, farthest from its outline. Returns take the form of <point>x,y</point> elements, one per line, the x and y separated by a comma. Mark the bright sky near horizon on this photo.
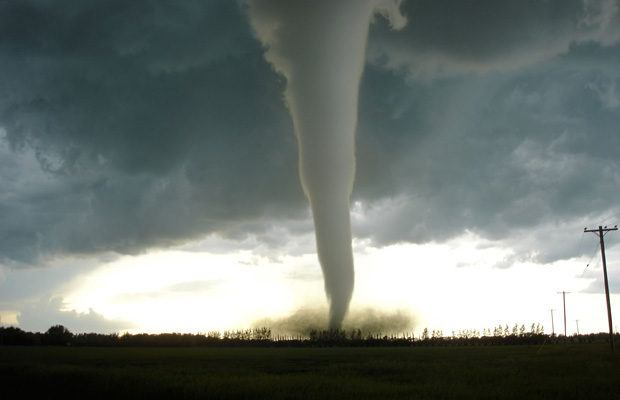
<point>149,175</point>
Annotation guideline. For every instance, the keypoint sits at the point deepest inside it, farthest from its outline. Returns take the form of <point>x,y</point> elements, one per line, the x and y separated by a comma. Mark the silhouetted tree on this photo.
<point>13,336</point>
<point>540,330</point>
<point>214,335</point>
<point>261,334</point>
<point>58,335</point>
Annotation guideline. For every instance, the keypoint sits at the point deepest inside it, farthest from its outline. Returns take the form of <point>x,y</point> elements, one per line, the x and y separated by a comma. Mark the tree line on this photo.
<point>58,335</point>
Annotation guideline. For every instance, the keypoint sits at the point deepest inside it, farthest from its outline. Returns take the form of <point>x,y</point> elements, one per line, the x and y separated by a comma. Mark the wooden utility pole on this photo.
<point>600,232</point>
<point>577,322</point>
<point>564,301</point>
<point>552,325</point>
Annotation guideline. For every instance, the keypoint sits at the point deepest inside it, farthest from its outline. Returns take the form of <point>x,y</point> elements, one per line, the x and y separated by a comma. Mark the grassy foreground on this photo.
<point>499,372</point>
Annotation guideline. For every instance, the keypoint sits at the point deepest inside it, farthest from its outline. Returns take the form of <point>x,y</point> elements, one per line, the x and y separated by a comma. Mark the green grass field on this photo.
<point>499,372</point>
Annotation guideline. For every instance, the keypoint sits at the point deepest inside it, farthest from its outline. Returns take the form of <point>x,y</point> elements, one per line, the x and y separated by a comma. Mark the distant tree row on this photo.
<point>498,332</point>
<point>56,335</point>
<point>59,335</point>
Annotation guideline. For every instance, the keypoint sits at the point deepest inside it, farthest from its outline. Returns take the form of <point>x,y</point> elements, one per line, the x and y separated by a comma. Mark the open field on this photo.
<point>494,372</point>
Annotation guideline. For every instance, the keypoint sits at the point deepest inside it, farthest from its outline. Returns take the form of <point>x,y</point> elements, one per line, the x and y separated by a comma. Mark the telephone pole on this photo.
<point>564,301</point>
<point>577,322</point>
<point>552,327</point>
<point>600,232</point>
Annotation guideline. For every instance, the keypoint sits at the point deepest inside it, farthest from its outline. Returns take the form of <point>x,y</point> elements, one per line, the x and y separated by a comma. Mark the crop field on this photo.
<point>495,372</point>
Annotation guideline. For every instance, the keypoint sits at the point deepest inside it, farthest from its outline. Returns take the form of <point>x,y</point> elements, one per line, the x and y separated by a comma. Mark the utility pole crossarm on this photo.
<point>600,228</point>
<point>600,232</point>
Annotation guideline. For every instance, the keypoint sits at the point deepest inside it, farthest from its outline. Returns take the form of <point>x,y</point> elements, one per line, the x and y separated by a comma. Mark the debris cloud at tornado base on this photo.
<point>370,321</point>
<point>319,46</point>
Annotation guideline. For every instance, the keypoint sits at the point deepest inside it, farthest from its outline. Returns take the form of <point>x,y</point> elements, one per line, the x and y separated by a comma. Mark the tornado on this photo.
<point>319,47</point>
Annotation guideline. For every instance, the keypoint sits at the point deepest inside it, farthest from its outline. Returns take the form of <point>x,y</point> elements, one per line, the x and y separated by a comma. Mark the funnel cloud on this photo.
<point>320,48</point>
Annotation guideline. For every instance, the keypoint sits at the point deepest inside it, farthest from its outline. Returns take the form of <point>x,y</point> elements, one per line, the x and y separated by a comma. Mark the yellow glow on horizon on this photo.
<point>8,317</point>
<point>186,291</point>
<point>449,287</point>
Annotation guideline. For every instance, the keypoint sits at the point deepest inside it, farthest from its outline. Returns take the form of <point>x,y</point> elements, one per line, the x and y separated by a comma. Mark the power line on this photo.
<point>600,232</point>
<point>611,217</point>
<point>594,253</point>
<point>580,243</point>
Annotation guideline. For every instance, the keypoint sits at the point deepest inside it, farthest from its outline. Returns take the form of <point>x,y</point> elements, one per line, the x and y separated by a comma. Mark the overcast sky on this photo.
<point>130,130</point>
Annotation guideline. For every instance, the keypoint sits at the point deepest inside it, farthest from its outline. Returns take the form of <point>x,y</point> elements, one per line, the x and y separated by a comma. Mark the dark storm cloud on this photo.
<point>150,122</point>
<point>451,37</point>
<point>507,125</point>
<point>501,153</point>
<point>125,126</point>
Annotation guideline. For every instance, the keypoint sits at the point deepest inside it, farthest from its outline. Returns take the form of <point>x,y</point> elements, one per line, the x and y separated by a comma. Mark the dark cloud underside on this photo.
<point>125,126</point>
<point>152,123</point>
